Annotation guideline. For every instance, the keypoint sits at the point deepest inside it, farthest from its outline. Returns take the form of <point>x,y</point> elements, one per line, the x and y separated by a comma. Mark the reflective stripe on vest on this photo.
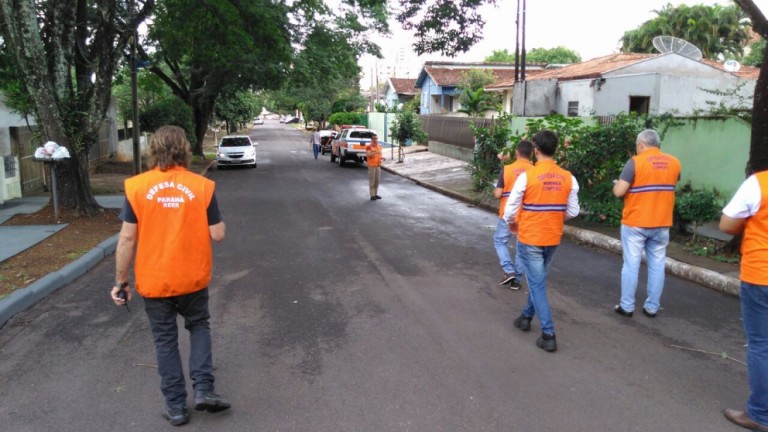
<point>650,200</point>
<point>541,217</point>
<point>754,246</point>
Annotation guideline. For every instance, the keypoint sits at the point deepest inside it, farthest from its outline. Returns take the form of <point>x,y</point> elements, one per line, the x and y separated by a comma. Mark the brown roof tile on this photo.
<point>598,66</point>
<point>450,76</point>
<point>404,85</point>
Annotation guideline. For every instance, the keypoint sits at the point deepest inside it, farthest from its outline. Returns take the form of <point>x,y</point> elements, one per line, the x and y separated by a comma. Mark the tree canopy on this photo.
<point>67,54</point>
<point>720,32</point>
<point>557,55</point>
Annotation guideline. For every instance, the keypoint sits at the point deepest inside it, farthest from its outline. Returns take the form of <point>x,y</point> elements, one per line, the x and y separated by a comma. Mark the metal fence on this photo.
<point>452,130</point>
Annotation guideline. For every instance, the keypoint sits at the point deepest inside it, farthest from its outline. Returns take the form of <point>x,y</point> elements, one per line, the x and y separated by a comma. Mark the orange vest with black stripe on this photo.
<point>511,173</point>
<point>173,255</point>
<point>754,246</point>
<point>650,201</point>
<point>541,217</point>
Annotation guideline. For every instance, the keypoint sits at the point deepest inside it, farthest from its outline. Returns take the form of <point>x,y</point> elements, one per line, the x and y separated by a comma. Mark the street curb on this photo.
<point>707,278</point>
<point>21,299</point>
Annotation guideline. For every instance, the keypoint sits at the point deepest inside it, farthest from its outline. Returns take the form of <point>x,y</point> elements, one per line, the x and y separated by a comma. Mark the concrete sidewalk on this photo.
<point>450,177</point>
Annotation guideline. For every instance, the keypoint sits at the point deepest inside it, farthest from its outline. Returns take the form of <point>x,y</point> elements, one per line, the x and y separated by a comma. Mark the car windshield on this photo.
<point>235,142</point>
<point>360,134</point>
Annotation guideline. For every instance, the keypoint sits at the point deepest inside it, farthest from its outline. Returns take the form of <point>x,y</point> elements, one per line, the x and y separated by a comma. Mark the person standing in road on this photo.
<point>512,270</point>
<point>314,140</point>
<point>747,212</point>
<point>545,196</point>
<point>170,216</point>
<point>373,157</point>
<point>647,185</point>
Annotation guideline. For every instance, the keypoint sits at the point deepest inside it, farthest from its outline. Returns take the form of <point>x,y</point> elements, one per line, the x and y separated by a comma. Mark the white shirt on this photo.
<point>746,202</point>
<point>515,199</point>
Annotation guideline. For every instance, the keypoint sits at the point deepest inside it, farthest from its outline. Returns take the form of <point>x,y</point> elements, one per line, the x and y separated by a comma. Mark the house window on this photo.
<point>573,109</point>
<point>639,104</point>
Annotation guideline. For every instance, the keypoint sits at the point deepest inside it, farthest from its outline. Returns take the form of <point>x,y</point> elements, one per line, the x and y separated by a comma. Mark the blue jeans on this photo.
<point>162,314</point>
<point>654,242</point>
<point>754,313</point>
<point>315,149</point>
<point>535,263</point>
<point>501,239</point>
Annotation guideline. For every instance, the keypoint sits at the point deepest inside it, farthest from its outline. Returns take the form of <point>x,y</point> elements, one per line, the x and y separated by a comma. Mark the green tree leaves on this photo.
<point>718,31</point>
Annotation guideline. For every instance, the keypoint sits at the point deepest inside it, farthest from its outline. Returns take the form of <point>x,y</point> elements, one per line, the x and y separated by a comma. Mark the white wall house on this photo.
<point>621,83</point>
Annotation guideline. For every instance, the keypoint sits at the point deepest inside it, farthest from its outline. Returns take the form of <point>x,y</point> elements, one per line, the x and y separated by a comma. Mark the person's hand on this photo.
<point>513,227</point>
<point>116,296</point>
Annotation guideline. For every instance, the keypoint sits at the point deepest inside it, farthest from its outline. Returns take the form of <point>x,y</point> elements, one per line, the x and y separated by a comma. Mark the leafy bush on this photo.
<point>489,141</point>
<point>696,207</point>
<point>170,111</point>
<point>406,126</point>
<point>344,118</point>
<point>596,154</point>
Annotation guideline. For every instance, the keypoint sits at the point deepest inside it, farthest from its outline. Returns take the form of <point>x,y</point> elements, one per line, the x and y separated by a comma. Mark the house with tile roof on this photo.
<point>622,83</point>
<point>437,82</point>
<point>399,91</point>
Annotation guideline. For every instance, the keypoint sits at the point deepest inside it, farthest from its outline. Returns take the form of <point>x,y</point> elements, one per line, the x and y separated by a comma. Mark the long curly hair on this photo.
<point>168,148</point>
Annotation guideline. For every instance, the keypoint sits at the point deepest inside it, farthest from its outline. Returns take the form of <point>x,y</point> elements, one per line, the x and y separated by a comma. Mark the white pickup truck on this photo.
<point>350,145</point>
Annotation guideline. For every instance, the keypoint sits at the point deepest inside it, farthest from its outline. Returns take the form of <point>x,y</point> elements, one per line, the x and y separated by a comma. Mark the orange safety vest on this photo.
<point>754,246</point>
<point>511,172</point>
<point>173,255</point>
<point>650,201</point>
<point>545,201</point>
<point>374,159</point>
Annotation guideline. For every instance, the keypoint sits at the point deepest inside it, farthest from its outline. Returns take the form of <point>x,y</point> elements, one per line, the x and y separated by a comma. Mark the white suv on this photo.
<point>350,145</point>
<point>236,150</point>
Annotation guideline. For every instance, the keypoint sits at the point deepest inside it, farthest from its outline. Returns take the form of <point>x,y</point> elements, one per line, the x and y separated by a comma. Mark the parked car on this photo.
<point>236,150</point>
<point>258,121</point>
<point>326,140</point>
<point>291,119</point>
<point>350,145</point>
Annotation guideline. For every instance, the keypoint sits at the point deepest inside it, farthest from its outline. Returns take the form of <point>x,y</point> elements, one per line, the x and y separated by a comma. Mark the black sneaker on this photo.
<point>508,277</point>
<point>620,310</point>
<point>514,284</point>
<point>523,322</point>
<point>210,401</point>
<point>373,198</point>
<point>547,342</point>
<point>176,416</point>
<point>377,197</point>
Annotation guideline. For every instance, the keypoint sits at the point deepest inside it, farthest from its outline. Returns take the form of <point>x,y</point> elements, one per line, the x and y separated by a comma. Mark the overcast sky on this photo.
<point>592,28</point>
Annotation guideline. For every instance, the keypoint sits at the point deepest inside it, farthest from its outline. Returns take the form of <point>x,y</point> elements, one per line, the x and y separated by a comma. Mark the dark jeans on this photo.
<point>162,314</point>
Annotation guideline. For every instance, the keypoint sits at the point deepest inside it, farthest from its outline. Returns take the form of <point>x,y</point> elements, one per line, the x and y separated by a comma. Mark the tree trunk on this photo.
<point>74,185</point>
<point>758,150</point>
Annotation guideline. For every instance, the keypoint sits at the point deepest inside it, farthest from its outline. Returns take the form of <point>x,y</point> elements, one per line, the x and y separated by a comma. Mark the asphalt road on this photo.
<point>331,312</point>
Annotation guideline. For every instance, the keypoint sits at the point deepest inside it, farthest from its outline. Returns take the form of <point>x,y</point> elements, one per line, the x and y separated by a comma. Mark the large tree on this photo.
<point>758,149</point>
<point>67,52</point>
<point>718,31</point>
<point>204,49</point>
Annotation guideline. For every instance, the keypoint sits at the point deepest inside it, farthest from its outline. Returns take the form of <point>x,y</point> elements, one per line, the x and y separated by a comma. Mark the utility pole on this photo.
<point>135,101</point>
<point>522,60</point>
<point>517,42</point>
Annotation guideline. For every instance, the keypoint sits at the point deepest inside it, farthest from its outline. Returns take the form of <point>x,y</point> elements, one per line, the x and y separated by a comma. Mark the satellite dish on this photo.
<point>671,44</point>
<point>731,66</point>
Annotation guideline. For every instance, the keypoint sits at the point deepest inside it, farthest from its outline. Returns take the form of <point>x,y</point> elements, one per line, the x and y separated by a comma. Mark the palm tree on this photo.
<point>717,31</point>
